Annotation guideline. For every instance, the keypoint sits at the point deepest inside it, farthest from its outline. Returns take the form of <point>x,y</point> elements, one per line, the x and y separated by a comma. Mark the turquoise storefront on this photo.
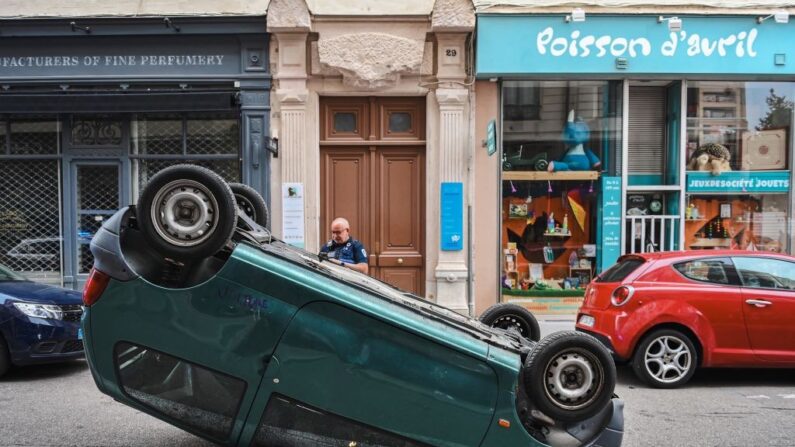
<point>636,133</point>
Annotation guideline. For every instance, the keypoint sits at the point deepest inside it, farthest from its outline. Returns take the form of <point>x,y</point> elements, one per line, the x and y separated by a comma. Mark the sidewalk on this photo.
<point>554,323</point>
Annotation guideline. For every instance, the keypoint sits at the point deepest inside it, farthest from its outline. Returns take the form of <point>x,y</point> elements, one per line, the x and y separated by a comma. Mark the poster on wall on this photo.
<point>611,222</point>
<point>293,214</point>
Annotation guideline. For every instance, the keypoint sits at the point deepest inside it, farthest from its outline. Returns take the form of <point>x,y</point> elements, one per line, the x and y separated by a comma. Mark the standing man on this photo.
<point>344,249</point>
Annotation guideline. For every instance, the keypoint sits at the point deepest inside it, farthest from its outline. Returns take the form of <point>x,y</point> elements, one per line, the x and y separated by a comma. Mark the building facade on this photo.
<point>372,107</point>
<point>96,99</point>
<point>627,129</point>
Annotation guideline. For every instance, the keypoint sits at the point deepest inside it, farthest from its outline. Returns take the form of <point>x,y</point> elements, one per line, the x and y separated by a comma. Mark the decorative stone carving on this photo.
<point>453,15</point>
<point>286,14</point>
<point>371,60</point>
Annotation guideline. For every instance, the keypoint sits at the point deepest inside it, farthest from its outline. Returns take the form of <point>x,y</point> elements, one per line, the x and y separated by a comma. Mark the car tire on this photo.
<point>208,214</point>
<point>251,203</point>
<point>665,358</point>
<point>5,358</point>
<point>569,376</point>
<point>512,317</point>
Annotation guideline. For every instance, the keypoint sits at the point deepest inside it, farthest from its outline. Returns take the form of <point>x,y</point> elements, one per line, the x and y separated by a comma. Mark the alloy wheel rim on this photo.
<point>511,323</point>
<point>573,379</point>
<point>667,359</point>
<point>185,213</point>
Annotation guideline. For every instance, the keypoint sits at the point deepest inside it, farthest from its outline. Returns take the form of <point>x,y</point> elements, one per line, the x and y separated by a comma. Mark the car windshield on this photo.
<point>8,275</point>
<point>382,289</point>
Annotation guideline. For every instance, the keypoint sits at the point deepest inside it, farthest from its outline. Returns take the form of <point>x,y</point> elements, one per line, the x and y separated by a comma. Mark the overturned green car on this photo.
<point>196,315</point>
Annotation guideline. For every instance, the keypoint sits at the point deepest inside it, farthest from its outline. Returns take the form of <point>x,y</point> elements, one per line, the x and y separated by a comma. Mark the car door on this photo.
<point>769,306</point>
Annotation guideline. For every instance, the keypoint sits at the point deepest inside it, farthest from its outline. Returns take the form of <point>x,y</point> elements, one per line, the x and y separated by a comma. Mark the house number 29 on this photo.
<point>451,52</point>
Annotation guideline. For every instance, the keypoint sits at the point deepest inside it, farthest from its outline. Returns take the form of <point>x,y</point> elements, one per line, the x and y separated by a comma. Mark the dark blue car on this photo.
<point>38,323</point>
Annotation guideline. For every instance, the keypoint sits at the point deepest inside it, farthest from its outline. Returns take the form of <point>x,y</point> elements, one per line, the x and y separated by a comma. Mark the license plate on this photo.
<point>80,334</point>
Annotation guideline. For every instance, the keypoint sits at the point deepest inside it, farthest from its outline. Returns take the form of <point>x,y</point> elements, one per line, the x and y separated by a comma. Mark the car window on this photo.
<point>290,423</point>
<point>715,270</point>
<point>766,273</point>
<point>620,270</point>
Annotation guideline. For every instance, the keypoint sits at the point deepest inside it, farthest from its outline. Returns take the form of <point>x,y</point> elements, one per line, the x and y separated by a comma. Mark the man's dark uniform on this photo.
<point>349,252</point>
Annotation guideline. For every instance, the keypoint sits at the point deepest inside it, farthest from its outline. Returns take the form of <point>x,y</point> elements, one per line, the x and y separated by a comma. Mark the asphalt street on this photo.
<point>59,405</point>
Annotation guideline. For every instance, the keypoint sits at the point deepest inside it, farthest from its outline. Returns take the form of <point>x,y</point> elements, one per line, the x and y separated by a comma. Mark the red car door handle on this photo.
<point>758,303</point>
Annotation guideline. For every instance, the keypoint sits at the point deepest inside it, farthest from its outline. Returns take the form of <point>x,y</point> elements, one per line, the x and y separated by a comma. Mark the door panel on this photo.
<point>377,182</point>
<point>399,215</point>
<point>345,192</point>
<point>769,306</point>
<point>366,363</point>
<point>97,189</point>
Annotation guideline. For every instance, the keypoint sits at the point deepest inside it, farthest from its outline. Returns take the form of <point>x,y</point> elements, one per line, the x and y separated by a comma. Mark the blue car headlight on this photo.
<point>48,311</point>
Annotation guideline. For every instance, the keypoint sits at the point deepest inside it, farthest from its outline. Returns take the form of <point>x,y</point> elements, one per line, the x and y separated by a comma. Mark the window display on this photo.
<point>739,133</point>
<point>744,222</point>
<point>552,161</point>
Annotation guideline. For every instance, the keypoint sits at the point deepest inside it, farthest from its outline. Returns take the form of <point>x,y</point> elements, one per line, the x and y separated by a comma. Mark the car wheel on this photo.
<point>512,317</point>
<point>569,376</point>
<point>5,358</point>
<point>666,358</point>
<point>541,165</point>
<point>187,212</point>
<point>251,203</point>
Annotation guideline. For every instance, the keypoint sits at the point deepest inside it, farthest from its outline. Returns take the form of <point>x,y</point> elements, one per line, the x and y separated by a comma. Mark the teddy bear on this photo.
<point>712,157</point>
<point>578,157</point>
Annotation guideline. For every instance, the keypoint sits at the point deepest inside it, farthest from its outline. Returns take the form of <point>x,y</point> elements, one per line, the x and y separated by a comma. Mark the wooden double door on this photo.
<point>372,172</point>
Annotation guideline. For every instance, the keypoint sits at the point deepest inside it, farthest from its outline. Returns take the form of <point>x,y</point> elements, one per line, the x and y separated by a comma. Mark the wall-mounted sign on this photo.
<point>738,182</point>
<point>491,137</point>
<point>610,218</point>
<point>516,44</point>
<point>293,214</point>
<point>128,56</point>
<point>452,216</point>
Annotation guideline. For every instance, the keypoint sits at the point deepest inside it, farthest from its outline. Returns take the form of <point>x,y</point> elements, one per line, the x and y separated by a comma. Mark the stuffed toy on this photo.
<point>710,157</point>
<point>577,158</point>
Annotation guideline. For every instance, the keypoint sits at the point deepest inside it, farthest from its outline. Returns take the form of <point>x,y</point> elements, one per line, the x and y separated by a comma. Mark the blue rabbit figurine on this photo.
<point>577,158</point>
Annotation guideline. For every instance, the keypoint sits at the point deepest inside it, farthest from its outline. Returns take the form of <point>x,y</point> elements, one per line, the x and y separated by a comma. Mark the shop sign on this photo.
<point>739,182</point>
<point>293,214</point>
<point>452,216</point>
<point>513,44</point>
<point>116,56</point>
<point>491,137</point>
<point>610,206</point>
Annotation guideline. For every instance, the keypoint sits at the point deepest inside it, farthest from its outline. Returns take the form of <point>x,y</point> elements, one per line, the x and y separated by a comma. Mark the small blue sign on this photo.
<point>543,44</point>
<point>738,182</point>
<point>491,137</point>
<point>452,216</point>
<point>610,218</point>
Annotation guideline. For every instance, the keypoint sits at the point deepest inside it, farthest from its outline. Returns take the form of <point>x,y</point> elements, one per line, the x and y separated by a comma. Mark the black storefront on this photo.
<point>90,109</point>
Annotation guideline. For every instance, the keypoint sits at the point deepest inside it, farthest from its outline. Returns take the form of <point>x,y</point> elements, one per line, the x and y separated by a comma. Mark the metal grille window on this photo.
<point>30,218</point>
<point>33,135</point>
<point>647,130</point>
<point>97,199</point>
<point>211,140</point>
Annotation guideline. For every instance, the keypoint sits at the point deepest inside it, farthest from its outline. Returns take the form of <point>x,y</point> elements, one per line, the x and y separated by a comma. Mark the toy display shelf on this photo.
<point>541,175</point>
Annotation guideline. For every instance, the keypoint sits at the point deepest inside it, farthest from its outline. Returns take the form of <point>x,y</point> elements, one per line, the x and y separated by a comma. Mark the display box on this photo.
<point>764,150</point>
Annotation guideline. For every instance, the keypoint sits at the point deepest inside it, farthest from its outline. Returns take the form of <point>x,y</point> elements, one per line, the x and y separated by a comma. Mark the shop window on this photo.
<point>766,273</point>
<point>198,397</point>
<point>33,135</point>
<point>737,221</point>
<point>521,101</point>
<point>287,423</point>
<point>212,134</point>
<point>555,149</point>
<point>716,271</point>
<point>739,126</point>
<point>157,134</point>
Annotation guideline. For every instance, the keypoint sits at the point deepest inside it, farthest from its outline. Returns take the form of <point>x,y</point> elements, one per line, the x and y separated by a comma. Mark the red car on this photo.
<point>669,313</point>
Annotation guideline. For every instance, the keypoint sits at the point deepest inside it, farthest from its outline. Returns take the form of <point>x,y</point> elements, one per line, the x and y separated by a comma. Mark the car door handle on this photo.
<point>758,303</point>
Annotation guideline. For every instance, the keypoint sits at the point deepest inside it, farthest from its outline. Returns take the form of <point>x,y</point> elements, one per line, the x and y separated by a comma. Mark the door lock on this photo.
<point>400,260</point>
